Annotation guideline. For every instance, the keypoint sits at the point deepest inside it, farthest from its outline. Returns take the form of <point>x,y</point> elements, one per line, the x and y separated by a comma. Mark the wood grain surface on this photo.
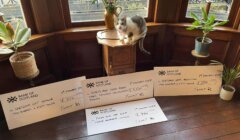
<point>189,118</point>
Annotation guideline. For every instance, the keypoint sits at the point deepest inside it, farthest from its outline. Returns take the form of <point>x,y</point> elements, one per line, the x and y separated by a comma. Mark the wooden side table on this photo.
<point>118,58</point>
<point>198,57</point>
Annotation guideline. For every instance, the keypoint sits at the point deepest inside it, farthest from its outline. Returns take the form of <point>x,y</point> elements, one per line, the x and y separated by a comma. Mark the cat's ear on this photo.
<point>124,18</point>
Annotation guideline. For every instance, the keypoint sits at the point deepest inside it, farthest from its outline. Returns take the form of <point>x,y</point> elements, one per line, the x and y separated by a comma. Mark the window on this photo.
<point>84,10</point>
<point>11,9</point>
<point>222,9</point>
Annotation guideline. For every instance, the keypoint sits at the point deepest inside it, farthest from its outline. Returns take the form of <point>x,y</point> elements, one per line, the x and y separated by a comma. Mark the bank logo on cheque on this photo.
<point>12,99</point>
<point>95,112</point>
<point>161,73</point>
<point>90,85</point>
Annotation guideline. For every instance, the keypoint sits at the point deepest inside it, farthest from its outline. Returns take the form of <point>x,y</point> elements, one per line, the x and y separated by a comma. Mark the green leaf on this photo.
<point>215,62</point>
<point>191,28</point>
<point>6,51</point>
<point>9,45</point>
<point>204,14</point>
<point>94,1</point>
<point>211,20</point>
<point>196,23</point>
<point>10,30</point>
<point>220,23</point>
<point>194,16</point>
<point>4,33</point>
<point>17,28</point>
<point>22,37</point>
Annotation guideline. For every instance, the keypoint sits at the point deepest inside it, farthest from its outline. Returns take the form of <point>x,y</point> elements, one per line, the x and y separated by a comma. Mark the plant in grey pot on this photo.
<point>23,63</point>
<point>229,76</point>
<point>206,24</point>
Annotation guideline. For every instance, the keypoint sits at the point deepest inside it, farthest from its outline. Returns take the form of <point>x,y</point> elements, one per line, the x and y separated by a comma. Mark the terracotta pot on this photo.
<point>227,92</point>
<point>24,65</point>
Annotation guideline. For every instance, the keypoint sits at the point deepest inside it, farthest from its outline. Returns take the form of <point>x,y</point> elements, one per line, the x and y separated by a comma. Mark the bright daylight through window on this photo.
<point>11,9</point>
<point>220,8</point>
<point>85,10</point>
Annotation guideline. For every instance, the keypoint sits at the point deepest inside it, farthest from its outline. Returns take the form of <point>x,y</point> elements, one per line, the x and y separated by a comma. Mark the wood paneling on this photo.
<point>41,16</point>
<point>48,15</point>
<point>83,56</point>
<point>167,12</point>
<point>56,15</point>
<point>27,10</point>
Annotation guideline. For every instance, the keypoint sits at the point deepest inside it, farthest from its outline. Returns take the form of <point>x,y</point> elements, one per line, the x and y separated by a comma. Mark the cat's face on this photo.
<point>121,24</point>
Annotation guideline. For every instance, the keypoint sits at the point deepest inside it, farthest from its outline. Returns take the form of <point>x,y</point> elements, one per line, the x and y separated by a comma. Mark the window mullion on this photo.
<point>208,5</point>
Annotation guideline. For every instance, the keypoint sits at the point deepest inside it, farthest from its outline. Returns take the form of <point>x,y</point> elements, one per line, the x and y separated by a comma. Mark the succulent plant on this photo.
<point>13,39</point>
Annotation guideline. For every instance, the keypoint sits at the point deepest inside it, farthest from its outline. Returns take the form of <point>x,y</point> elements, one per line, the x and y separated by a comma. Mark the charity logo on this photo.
<point>90,85</point>
<point>94,112</point>
<point>162,73</point>
<point>12,99</point>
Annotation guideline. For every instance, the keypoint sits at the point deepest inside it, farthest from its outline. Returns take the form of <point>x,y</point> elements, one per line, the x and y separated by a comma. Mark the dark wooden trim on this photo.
<point>28,14</point>
<point>56,15</point>
<point>182,17</point>
<point>233,13</point>
<point>208,7</point>
<point>88,33</point>
<point>220,28</point>
<point>41,16</point>
<point>151,11</point>
<point>34,43</point>
<point>70,24</point>
<point>237,20</point>
<point>66,13</point>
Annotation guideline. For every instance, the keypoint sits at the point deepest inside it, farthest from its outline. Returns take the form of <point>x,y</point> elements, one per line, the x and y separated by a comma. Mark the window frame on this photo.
<point>28,16</point>
<point>69,23</point>
<point>232,15</point>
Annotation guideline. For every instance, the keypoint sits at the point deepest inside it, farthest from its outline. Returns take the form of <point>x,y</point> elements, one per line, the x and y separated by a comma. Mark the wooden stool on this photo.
<point>118,58</point>
<point>198,57</point>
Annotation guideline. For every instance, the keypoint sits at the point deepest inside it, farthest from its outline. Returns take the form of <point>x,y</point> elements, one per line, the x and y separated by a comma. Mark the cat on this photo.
<point>132,30</point>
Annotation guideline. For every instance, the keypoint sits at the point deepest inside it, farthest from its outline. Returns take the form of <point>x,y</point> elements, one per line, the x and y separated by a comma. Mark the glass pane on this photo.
<point>195,7</point>
<point>84,10</point>
<point>11,9</point>
<point>221,9</point>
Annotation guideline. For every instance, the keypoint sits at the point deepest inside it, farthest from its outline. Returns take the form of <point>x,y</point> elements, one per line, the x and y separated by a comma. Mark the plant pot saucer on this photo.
<point>195,54</point>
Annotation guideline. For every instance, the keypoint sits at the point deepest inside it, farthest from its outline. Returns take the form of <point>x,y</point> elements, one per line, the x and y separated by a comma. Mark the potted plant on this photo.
<point>111,10</point>
<point>206,24</point>
<point>229,76</point>
<point>23,63</point>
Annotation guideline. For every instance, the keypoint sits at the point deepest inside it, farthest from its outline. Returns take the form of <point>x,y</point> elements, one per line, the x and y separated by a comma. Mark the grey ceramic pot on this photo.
<point>202,48</point>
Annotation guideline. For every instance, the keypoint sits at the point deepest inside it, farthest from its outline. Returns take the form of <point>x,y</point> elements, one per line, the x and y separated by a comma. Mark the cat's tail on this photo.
<point>141,47</point>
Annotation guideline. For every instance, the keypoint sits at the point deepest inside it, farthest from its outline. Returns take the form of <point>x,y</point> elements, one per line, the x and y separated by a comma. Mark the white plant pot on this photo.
<point>227,92</point>
<point>24,65</point>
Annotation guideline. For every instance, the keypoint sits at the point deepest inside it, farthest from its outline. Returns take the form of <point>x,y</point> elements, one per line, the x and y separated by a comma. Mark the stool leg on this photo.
<point>197,62</point>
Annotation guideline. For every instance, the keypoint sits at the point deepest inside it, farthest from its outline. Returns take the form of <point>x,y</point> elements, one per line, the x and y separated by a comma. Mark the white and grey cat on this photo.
<point>132,30</point>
